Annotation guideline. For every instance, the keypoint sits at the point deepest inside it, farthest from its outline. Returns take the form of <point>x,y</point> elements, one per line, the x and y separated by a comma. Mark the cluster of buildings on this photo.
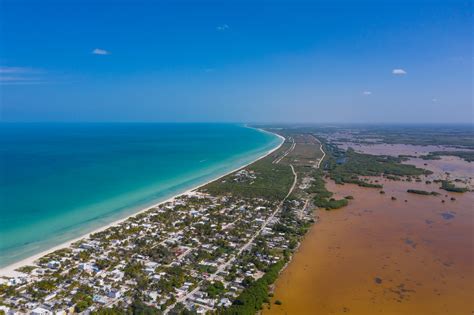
<point>197,252</point>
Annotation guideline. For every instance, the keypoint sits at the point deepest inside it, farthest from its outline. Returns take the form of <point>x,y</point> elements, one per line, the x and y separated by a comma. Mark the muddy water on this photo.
<point>447,167</point>
<point>397,149</point>
<point>379,256</point>
<point>453,165</point>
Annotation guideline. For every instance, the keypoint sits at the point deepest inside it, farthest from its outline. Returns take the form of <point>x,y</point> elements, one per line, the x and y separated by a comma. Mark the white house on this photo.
<point>54,264</point>
<point>41,311</point>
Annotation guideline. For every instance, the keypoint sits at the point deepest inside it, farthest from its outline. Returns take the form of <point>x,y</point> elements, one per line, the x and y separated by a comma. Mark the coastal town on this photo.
<point>232,157</point>
<point>220,248</point>
<point>201,252</point>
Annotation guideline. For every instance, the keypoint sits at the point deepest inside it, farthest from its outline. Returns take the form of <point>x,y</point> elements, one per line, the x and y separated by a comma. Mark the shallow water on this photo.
<point>379,256</point>
<point>397,149</point>
<point>449,167</point>
<point>60,181</point>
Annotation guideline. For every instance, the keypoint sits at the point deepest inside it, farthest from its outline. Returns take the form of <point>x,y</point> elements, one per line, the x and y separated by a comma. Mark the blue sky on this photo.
<point>236,61</point>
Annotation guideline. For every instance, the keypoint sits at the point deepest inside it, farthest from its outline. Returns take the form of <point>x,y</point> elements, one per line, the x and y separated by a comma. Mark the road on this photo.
<point>292,147</point>
<point>223,266</point>
<point>321,148</point>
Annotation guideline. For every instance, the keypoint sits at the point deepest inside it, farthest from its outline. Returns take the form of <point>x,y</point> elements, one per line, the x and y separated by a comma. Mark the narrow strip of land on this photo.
<point>322,150</point>
<point>244,247</point>
<point>201,251</point>
<point>292,147</point>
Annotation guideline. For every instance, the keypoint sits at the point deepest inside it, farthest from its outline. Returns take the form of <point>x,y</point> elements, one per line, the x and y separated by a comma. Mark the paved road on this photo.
<point>277,160</point>
<point>223,266</point>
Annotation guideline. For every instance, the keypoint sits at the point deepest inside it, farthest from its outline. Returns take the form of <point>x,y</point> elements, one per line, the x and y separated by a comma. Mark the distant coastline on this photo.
<point>9,270</point>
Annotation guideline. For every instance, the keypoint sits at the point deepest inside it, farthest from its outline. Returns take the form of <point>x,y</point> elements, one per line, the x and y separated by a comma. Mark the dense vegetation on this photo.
<point>347,166</point>
<point>272,182</point>
<point>465,155</point>
<point>322,197</point>
<point>448,186</point>
<point>251,299</point>
<point>332,203</point>
<point>461,136</point>
<point>422,192</point>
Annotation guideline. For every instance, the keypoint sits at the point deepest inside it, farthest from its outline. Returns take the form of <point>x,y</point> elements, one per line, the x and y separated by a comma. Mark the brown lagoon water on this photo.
<point>450,167</point>
<point>382,256</point>
<point>397,149</point>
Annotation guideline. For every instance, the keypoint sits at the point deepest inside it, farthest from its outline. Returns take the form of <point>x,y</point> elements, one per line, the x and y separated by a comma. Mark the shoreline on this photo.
<point>340,235</point>
<point>10,270</point>
<point>411,226</point>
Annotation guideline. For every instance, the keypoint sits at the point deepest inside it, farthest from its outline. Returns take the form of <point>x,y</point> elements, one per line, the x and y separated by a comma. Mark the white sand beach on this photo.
<point>10,270</point>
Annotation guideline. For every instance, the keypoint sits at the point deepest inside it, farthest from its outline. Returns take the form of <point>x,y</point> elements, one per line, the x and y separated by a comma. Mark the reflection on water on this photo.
<point>412,255</point>
<point>449,167</point>
<point>397,149</point>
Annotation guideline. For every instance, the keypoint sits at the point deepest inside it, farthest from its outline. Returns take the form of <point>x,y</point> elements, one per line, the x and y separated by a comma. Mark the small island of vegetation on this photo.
<point>448,186</point>
<point>423,192</point>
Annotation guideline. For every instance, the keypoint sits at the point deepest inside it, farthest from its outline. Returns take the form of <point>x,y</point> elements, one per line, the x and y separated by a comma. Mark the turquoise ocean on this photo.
<point>60,181</point>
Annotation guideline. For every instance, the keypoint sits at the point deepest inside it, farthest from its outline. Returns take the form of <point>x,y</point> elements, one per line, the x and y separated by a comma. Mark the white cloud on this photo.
<point>17,75</point>
<point>399,72</point>
<point>15,79</point>
<point>222,27</point>
<point>99,51</point>
<point>15,70</point>
<point>367,93</point>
